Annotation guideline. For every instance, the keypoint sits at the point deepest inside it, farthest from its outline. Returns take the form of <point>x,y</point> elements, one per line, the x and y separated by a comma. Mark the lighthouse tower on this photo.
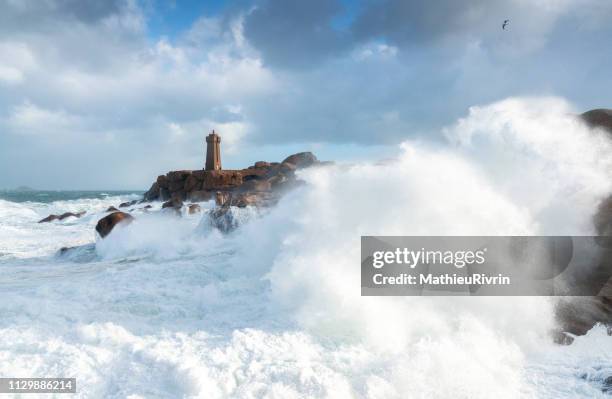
<point>213,152</point>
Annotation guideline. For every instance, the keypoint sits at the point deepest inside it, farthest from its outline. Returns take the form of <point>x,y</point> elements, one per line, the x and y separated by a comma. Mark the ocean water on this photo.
<point>170,307</point>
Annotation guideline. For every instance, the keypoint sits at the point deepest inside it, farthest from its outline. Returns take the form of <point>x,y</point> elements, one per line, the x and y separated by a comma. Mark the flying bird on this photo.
<point>505,24</point>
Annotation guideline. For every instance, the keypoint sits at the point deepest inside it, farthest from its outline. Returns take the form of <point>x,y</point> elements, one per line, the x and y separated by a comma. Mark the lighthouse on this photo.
<point>213,152</point>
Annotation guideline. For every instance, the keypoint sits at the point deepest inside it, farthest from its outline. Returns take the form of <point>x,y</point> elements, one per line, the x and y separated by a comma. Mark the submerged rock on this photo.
<point>63,216</point>
<point>108,223</point>
<point>79,253</point>
<point>193,209</point>
<point>129,203</point>
<point>607,385</point>
<point>223,219</point>
<point>577,315</point>
<point>112,209</point>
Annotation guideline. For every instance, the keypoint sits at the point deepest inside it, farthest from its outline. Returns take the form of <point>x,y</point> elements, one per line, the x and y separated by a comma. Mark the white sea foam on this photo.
<point>168,307</point>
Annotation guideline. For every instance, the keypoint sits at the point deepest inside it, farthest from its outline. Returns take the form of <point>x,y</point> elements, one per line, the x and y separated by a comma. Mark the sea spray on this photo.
<point>542,172</point>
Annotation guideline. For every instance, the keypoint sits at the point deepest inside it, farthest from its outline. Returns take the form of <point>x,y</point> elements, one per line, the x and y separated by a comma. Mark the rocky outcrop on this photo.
<point>63,216</point>
<point>200,196</point>
<point>108,223</point>
<point>577,315</point>
<point>601,118</point>
<point>258,185</point>
<point>301,159</point>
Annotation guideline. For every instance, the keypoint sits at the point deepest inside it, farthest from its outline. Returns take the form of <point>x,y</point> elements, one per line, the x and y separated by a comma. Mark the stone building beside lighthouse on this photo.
<point>213,152</point>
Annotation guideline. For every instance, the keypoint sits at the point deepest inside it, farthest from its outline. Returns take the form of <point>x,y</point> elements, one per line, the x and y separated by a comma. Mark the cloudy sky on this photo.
<point>109,94</point>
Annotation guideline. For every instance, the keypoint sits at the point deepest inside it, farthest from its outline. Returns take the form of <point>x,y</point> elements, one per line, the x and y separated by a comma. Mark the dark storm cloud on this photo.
<point>300,34</point>
<point>296,33</point>
<point>411,22</point>
<point>32,15</point>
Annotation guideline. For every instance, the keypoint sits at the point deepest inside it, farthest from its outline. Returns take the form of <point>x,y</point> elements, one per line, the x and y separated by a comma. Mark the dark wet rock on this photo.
<point>80,253</point>
<point>607,385</point>
<point>562,338</point>
<point>602,219</point>
<point>250,177</point>
<point>164,194</point>
<point>175,203</point>
<point>148,207</point>
<point>162,181</point>
<point>256,185</point>
<point>601,118</point>
<point>179,195</point>
<point>63,216</point>
<point>178,175</point>
<point>49,218</point>
<point>261,164</point>
<point>65,250</point>
<point>153,192</point>
<point>111,209</point>
<point>287,167</point>
<point>70,214</point>
<point>108,223</point>
<point>200,196</point>
<point>577,315</point>
<point>260,199</point>
<point>193,209</point>
<point>301,159</point>
<point>199,174</point>
<point>192,184</point>
<point>223,219</point>
<point>176,185</point>
<point>277,181</point>
<point>244,199</point>
<point>221,179</point>
<point>222,198</point>
<point>129,203</point>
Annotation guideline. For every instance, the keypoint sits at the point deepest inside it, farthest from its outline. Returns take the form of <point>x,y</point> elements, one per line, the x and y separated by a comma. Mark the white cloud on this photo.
<point>30,119</point>
<point>10,75</point>
<point>376,51</point>
<point>16,59</point>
